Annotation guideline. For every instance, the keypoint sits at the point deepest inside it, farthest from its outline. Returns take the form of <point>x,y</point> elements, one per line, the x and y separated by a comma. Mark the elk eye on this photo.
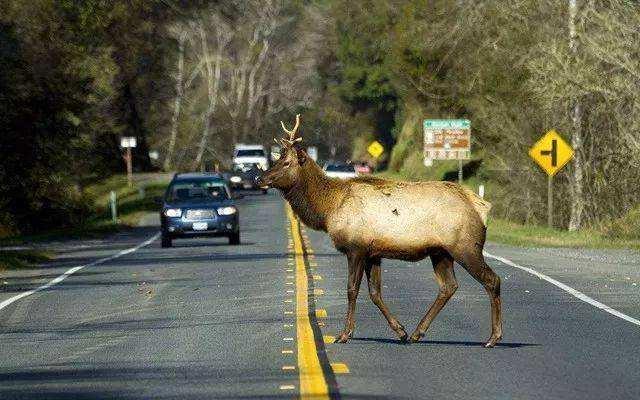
<point>287,163</point>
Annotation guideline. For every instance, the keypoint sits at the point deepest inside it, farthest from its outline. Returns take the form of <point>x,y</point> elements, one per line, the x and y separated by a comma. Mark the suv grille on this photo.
<point>200,214</point>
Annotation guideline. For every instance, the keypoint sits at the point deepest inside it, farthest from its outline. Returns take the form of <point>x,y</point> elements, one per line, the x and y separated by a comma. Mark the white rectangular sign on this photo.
<point>128,141</point>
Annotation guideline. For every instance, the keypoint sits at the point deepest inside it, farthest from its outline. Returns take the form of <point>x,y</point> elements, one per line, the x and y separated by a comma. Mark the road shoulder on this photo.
<point>611,276</point>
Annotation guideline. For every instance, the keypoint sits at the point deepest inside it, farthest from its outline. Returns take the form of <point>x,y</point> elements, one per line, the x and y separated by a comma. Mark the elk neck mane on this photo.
<point>315,195</point>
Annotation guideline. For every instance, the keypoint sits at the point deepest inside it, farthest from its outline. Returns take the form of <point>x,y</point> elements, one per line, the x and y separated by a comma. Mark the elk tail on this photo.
<point>481,206</point>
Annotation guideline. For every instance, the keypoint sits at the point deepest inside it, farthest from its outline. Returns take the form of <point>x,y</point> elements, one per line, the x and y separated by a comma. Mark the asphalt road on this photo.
<point>208,320</point>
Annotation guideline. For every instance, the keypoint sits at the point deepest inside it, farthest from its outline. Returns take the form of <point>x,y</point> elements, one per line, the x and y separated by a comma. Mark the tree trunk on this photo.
<point>577,184</point>
<point>177,103</point>
<point>254,90</point>
<point>213,82</point>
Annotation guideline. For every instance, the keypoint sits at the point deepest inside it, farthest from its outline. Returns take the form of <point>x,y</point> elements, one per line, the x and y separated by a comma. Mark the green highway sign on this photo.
<point>446,139</point>
<point>446,124</point>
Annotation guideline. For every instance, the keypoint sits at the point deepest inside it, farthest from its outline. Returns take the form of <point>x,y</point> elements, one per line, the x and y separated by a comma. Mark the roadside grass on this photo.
<point>16,259</point>
<point>133,203</point>
<point>503,231</point>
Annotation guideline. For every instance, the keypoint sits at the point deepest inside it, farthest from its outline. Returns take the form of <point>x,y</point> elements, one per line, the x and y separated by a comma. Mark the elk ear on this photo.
<point>302,156</point>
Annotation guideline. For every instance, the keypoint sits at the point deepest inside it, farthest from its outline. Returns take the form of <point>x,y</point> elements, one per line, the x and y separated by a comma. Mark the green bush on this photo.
<point>625,227</point>
<point>14,259</point>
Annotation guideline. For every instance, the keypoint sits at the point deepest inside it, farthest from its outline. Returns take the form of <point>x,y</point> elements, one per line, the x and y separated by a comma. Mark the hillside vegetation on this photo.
<point>191,79</point>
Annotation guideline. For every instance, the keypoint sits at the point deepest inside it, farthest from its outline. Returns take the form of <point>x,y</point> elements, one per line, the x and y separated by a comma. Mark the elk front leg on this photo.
<point>446,278</point>
<point>356,268</point>
<point>374,279</point>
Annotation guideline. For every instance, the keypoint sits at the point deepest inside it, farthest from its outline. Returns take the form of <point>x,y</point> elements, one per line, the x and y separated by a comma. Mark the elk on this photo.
<point>369,219</point>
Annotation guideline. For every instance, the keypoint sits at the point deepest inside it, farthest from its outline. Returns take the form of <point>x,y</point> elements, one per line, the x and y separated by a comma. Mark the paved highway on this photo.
<point>209,320</point>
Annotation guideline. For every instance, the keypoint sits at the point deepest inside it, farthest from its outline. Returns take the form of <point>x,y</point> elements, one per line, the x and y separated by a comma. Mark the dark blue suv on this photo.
<point>198,204</point>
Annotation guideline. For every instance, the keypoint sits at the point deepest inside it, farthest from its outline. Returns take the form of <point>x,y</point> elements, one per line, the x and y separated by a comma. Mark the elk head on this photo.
<point>285,172</point>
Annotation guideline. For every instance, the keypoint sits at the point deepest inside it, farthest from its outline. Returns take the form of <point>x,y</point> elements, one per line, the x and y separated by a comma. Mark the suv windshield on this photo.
<point>245,167</point>
<point>197,190</point>
<point>339,168</point>
<point>250,153</point>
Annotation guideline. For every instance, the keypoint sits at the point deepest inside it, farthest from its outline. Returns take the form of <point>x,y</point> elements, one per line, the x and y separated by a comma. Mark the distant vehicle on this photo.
<point>198,204</point>
<point>251,154</point>
<point>342,171</point>
<point>362,168</point>
<point>243,176</point>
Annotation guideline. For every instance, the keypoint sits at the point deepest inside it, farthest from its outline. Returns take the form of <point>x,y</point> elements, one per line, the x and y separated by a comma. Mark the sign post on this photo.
<point>447,139</point>
<point>551,153</point>
<point>113,204</point>
<point>312,151</point>
<point>550,201</point>
<point>127,143</point>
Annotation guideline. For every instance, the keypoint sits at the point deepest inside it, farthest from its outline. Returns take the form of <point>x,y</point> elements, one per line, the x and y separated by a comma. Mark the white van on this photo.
<point>251,154</point>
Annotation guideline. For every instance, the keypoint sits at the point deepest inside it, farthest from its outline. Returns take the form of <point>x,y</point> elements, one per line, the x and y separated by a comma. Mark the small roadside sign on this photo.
<point>551,152</point>
<point>375,149</point>
<point>128,142</point>
<point>447,139</point>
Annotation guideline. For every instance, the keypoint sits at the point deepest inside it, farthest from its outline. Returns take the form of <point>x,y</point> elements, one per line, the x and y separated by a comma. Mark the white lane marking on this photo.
<point>576,293</point>
<point>73,270</point>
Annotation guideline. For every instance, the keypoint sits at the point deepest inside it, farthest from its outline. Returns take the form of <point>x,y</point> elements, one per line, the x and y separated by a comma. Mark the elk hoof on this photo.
<point>342,338</point>
<point>402,334</point>
<point>492,341</point>
<point>416,336</point>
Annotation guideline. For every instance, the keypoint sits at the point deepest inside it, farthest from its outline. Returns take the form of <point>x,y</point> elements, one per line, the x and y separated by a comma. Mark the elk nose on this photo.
<point>259,180</point>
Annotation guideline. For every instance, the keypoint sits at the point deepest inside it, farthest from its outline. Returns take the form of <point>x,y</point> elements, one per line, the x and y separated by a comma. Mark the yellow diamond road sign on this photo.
<point>375,149</point>
<point>551,152</point>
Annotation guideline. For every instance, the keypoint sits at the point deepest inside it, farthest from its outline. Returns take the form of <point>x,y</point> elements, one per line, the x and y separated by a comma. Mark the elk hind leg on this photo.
<point>446,279</point>
<point>476,266</point>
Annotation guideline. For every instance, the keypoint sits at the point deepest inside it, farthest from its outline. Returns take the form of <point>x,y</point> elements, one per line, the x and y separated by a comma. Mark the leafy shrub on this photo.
<point>625,227</point>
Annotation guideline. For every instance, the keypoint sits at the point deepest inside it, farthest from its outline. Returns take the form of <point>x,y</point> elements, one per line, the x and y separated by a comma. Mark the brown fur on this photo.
<point>369,219</point>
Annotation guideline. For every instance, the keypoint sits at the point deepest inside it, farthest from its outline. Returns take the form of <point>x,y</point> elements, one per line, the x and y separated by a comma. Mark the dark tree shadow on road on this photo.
<point>129,380</point>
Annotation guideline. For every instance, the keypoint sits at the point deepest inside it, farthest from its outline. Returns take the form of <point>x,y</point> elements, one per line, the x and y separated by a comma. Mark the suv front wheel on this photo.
<point>234,238</point>
<point>166,241</point>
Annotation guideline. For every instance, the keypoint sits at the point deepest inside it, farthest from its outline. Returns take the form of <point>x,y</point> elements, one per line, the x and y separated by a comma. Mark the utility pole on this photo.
<point>577,187</point>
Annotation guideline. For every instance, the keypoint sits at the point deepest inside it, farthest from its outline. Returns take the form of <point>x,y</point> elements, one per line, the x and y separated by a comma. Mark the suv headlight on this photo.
<point>227,210</point>
<point>235,179</point>
<point>173,212</point>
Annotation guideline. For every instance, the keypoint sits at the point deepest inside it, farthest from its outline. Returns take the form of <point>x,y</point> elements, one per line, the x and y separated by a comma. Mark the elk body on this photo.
<point>369,219</point>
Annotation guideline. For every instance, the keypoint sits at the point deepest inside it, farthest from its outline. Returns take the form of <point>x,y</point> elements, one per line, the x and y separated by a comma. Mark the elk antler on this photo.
<point>292,133</point>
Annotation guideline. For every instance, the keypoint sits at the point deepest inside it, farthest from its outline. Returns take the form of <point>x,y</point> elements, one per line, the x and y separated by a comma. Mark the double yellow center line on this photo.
<point>317,380</point>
